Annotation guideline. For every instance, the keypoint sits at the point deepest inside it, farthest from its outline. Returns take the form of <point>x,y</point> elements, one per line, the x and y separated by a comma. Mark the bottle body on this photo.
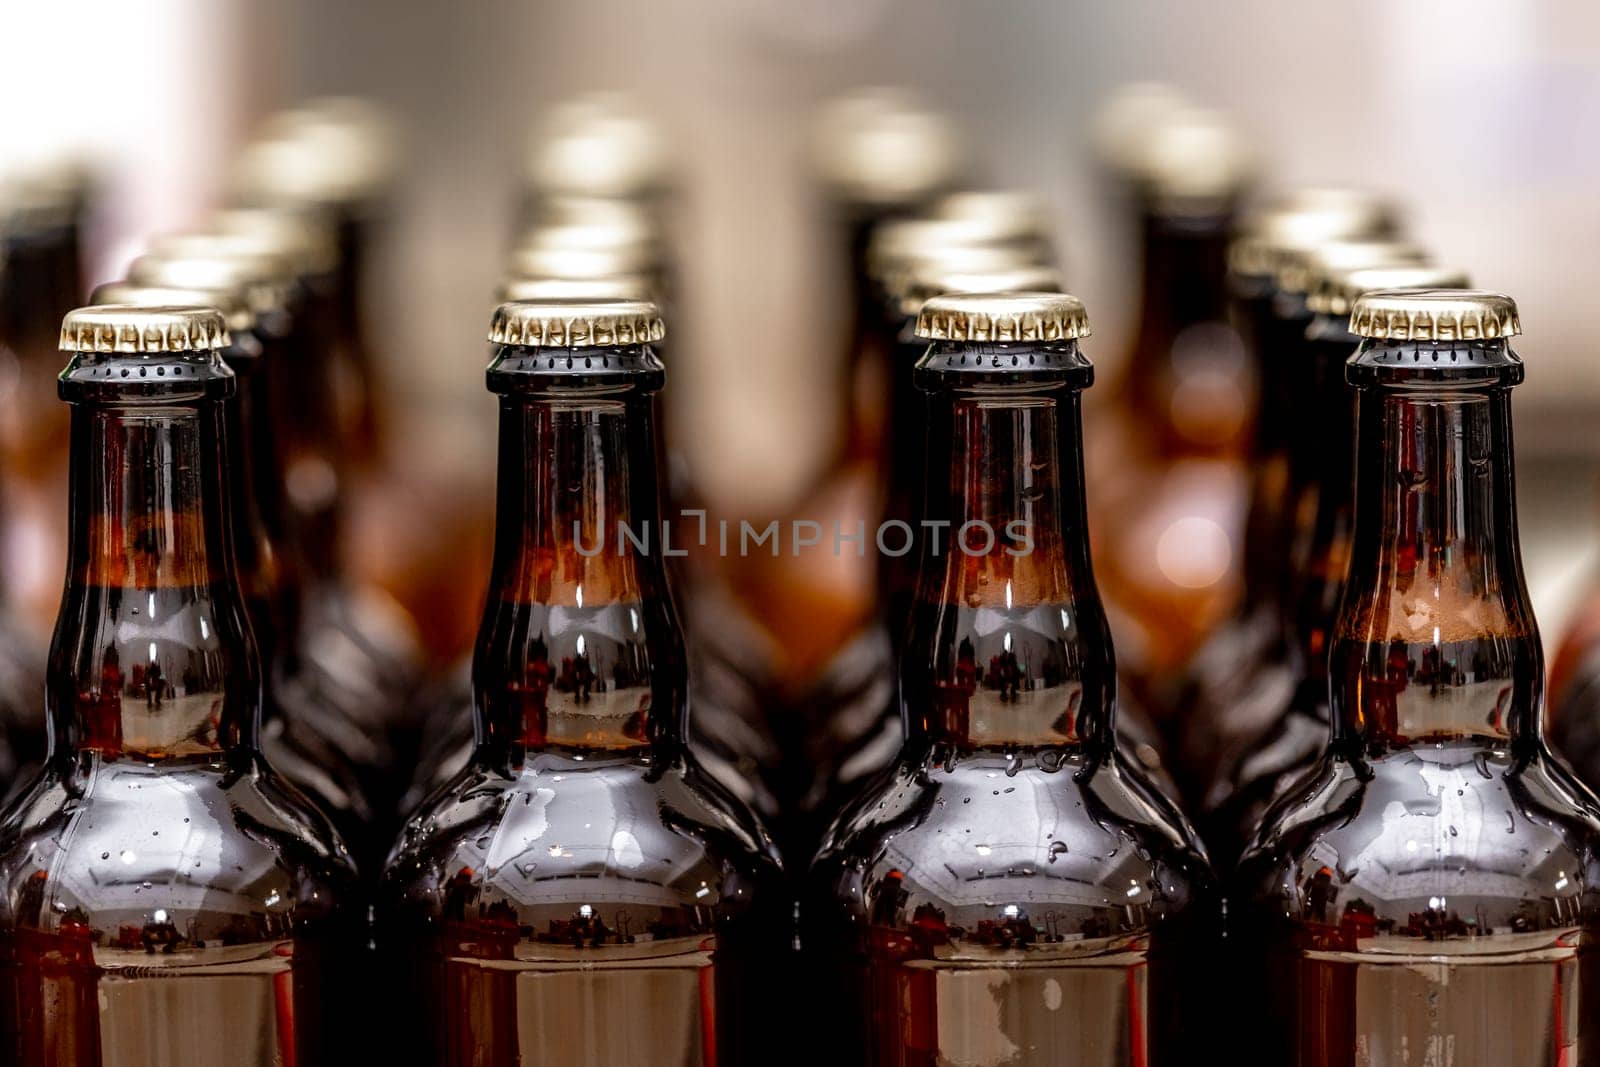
<point>164,896</point>
<point>1430,885</point>
<point>580,890</point>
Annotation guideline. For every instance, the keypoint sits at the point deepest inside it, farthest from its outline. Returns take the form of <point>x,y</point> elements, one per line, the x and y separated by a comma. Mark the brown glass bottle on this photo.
<point>1240,655</point>
<point>167,898</point>
<point>581,892</point>
<point>1166,478</point>
<point>1429,889</point>
<point>1005,894</point>
<point>1279,726</point>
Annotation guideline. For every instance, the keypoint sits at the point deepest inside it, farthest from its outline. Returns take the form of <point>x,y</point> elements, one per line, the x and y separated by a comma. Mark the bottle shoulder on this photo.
<point>1445,841</point>
<point>969,839</point>
<point>219,850</point>
<point>563,832</point>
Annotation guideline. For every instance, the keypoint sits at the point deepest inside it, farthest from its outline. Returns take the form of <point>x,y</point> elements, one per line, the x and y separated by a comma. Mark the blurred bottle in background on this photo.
<point>1166,473</point>
<point>1244,656</point>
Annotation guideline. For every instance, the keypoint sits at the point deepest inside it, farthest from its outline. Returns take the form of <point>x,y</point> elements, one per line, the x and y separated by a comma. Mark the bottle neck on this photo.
<point>152,655</point>
<point>1322,497</point>
<point>1435,638</point>
<point>1182,282</point>
<point>309,452</point>
<point>1009,643</point>
<point>902,462</point>
<point>580,647</point>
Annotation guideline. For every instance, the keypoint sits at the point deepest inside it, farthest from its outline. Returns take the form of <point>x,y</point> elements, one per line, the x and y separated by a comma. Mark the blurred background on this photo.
<point>1474,116</point>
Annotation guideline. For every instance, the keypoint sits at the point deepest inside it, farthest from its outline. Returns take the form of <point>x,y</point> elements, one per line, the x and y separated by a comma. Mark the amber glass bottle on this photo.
<point>167,898</point>
<point>1166,478</point>
<point>1006,893</point>
<point>1240,654</point>
<point>1279,725</point>
<point>1429,888</point>
<point>581,892</point>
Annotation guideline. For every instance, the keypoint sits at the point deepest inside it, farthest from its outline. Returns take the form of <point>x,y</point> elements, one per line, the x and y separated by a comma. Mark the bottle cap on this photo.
<point>336,152</point>
<point>987,317</point>
<point>136,329</point>
<point>575,290</point>
<point>264,262</point>
<point>297,235</point>
<point>229,300</point>
<point>933,279</point>
<point>1303,219</point>
<point>1009,210</point>
<point>259,275</point>
<point>595,323</point>
<point>881,148</point>
<point>1299,267</point>
<point>1334,292</point>
<point>1194,162</point>
<point>545,260</point>
<point>599,144</point>
<point>1434,315</point>
<point>1125,120</point>
<point>900,244</point>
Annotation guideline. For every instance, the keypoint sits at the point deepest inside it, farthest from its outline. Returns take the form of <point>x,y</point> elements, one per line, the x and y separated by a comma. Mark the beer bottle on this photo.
<point>1425,890</point>
<point>581,870</point>
<point>304,743</point>
<point>1166,476</point>
<point>595,147</point>
<point>1279,725</point>
<point>168,898</point>
<point>1229,659</point>
<point>337,688</point>
<point>1006,867</point>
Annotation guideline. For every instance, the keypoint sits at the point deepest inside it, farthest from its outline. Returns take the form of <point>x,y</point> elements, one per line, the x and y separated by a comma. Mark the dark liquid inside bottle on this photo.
<point>1427,890</point>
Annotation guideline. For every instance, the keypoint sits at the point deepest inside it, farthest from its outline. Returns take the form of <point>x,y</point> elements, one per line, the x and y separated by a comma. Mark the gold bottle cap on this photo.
<point>297,235</point>
<point>576,325</point>
<point>574,290</point>
<point>595,237</point>
<point>1304,219</point>
<point>260,279</point>
<point>1298,268</point>
<point>1194,162</point>
<point>1003,209</point>
<point>551,261</point>
<point>599,144</point>
<point>137,329</point>
<point>882,148</point>
<point>1434,315</point>
<point>335,152</point>
<point>899,244</point>
<point>569,210</point>
<point>930,280</point>
<point>264,262</point>
<point>1003,317</point>
<point>230,300</point>
<point>1123,123</point>
<point>1334,291</point>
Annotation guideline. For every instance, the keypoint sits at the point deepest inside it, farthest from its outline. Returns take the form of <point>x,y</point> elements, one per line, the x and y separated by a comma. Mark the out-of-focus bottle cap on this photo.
<point>898,244</point>
<point>265,263</point>
<point>987,317</point>
<point>1002,209</point>
<point>1434,315</point>
<point>554,261</point>
<point>337,152</point>
<point>578,290</point>
<point>882,148</point>
<point>262,282</point>
<point>1194,162</point>
<point>299,236</point>
<point>139,329</point>
<point>1298,267</point>
<point>1303,219</point>
<point>1129,116</point>
<point>1334,291</point>
<point>598,145</point>
<point>927,281</point>
<point>230,300</point>
<point>563,324</point>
